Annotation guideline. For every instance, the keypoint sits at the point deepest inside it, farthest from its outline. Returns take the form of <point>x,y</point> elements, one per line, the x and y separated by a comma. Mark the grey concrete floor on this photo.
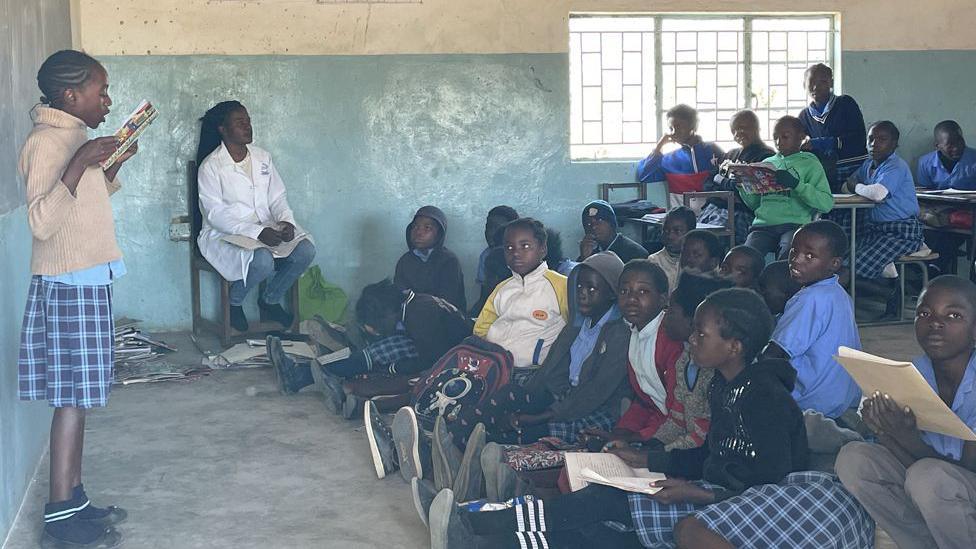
<point>202,464</point>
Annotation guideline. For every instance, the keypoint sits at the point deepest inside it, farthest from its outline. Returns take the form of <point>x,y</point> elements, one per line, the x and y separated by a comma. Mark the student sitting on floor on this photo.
<point>952,165</point>
<point>670,410</point>
<point>892,228</point>
<point>701,252</point>
<point>602,234</point>
<point>525,313</point>
<point>493,253</point>
<point>745,131</point>
<point>835,126</point>
<point>776,287</point>
<point>743,265</point>
<point>409,332</point>
<point>429,267</point>
<point>778,215</point>
<point>920,486</point>
<point>816,321</point>
<point>686,168</point>
<point>677,223</point>
<point>583,377</point>
<point>729,499</point>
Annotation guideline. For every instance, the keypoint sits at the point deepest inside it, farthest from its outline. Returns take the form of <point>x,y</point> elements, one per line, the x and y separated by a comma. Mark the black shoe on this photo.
<point>74,533</point>
<point>352,405</point>
<point>237,319</point>
<point>330,387</point>
<point>105,516</point>
<point>276,313</point>
<point>380,441</point>
<point>406,436</point>
<point>893,304</point>
<point>469,478</point>
<point>423,495</point>
<point>283,365</point>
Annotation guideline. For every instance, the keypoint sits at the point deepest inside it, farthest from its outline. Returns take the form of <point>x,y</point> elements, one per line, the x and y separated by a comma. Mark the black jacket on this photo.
<point>440,275</point>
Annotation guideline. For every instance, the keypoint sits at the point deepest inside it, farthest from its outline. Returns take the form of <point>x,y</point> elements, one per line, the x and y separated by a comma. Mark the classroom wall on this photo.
<point>374,109</point>
<point>29,31</point>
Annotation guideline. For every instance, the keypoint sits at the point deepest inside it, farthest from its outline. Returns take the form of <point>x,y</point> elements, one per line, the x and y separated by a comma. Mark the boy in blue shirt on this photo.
<point>920,486</point>
<point>816,321</point>
<point>892,228</point>
<point>952,165</point>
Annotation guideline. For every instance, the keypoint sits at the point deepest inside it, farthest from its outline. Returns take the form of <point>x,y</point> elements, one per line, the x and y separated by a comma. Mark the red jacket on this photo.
<point>643,417</point>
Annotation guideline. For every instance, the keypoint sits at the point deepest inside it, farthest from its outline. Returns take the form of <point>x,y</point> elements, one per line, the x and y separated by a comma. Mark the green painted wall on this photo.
<point>363,141</point>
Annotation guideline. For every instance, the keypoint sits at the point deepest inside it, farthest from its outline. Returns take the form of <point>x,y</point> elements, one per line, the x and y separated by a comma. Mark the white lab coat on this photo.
<point>231,203</point>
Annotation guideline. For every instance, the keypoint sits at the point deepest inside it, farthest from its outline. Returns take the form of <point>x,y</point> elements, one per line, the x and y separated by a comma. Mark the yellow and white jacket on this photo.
<point>525,315</point>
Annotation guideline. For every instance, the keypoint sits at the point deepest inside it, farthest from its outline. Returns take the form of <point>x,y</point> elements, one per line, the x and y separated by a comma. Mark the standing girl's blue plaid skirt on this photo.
<point>67,345</point>
<point>806,510</point>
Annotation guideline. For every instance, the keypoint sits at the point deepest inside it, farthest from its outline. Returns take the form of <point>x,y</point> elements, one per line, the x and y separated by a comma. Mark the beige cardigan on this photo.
<point>71,232</point>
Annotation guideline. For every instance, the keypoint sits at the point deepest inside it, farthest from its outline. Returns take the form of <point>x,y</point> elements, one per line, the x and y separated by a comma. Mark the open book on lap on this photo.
<point>607,469</point>
<point>281,250</point>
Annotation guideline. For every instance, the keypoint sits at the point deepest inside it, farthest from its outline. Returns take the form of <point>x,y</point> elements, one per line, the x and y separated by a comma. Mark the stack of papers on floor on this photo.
<point>139,357</point>
<point>252,354</point>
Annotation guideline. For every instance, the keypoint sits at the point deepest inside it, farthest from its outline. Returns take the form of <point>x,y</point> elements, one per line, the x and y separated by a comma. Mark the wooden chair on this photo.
<point>198,265</point>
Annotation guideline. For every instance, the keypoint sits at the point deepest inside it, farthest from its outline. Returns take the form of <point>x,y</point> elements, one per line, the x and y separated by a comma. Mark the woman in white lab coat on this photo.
<point>242,198</point>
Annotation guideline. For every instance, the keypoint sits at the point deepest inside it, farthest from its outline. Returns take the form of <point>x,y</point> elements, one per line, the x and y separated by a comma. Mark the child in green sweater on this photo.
<point>780,214</point>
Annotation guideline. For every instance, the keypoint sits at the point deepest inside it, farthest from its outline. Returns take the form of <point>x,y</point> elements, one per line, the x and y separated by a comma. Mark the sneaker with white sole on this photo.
<point>423,495</point>
<point>380,441</point>
<point>406,437</point>
<point>447,530</point>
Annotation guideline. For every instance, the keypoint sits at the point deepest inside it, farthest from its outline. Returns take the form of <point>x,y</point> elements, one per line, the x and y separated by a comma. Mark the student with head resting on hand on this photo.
<point>807,193</point>
<point>739,489</point>
<point>67,341</point>
<point>241,194</point>
<point>688,167</point>
<point>601,234</point>
<point>952,165</point>
<point>920,486</point>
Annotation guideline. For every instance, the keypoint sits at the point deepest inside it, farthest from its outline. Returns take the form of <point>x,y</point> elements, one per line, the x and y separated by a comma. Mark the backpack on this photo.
<point>465,377</point>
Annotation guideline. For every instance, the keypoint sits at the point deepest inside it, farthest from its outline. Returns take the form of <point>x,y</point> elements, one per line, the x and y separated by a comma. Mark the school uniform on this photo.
<point>931,503</point>
<point>436,271</point>
<point>525,314</point>
<point>837,135</point>
<point>625,248</point>
<point>932,173</point>
<point>670,264</point>
<point>67,338</point>
<point>892,228</point>
<point>816,321</point>
<point>778,215</point>
<point>243,198</point>
<point>716,210</point>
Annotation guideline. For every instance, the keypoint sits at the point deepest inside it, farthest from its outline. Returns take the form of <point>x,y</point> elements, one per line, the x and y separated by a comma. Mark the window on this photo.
<point>625,72</point>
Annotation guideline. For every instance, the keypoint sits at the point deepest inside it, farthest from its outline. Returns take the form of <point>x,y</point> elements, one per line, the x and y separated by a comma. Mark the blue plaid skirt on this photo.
<point>569,431</point>
<point>807,510</point>
<point>881,242</point>
<point>67,345</point>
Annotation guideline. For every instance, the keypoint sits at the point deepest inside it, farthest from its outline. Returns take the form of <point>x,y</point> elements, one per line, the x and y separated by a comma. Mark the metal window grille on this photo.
<point>625,72</point>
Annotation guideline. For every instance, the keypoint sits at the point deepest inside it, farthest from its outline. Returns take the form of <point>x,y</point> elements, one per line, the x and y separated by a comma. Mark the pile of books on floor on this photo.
<point>139,358</point>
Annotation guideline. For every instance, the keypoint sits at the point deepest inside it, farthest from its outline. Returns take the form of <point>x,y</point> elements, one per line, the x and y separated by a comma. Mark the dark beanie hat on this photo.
<point>600,209</point>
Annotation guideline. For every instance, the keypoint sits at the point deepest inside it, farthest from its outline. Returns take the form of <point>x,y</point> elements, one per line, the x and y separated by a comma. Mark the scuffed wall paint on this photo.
<point>306,27</point>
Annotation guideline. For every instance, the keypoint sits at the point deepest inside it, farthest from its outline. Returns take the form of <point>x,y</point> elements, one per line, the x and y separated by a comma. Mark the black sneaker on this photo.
<point>289,379</point>
<point>276,313</point>
<point>423,495</point>
<point>380,441</point>
<point>329,386</point>
<point>105,516</point>
<point>74,533</point>
<point>351,405</point>
<point>406,436</point>
<point>237,319</point>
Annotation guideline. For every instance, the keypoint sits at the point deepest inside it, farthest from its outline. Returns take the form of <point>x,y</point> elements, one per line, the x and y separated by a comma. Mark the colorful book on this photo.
<point>134,125</point>
<point>757,178</point>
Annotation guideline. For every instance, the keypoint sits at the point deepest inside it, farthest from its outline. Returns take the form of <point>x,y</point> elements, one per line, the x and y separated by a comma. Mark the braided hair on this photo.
<point>209,127</point>
<point>743,315</point>
<point>64,70</point>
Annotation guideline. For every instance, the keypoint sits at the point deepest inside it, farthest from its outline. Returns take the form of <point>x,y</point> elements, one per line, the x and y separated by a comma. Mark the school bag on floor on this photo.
<point>465,377</point>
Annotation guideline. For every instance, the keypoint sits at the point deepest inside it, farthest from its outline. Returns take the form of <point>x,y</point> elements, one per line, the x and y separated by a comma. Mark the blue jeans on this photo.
<point>286,271</point>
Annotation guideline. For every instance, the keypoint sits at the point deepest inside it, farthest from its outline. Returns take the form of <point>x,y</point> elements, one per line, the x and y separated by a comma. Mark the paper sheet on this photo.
<point>903,382</point>
<point>281,250</point>
<point>583,468</point>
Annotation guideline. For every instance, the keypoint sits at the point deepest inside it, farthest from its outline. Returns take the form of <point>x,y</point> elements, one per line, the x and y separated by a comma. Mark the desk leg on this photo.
<point>853,256</point>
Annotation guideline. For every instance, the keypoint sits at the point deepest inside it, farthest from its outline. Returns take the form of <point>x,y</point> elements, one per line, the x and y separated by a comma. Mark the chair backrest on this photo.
<point>607,188</point>
<point>193,205</point>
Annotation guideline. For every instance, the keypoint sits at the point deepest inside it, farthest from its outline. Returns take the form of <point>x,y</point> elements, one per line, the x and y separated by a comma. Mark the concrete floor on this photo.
<point>202,465</point>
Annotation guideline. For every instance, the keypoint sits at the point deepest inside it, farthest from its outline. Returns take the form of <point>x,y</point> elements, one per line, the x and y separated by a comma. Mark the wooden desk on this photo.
<point>657,220</point>
<point>966,201</point>
<point>852,202</point>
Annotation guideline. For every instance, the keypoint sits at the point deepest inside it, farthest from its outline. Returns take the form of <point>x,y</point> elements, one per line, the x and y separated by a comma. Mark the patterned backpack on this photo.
<point>465,377</point>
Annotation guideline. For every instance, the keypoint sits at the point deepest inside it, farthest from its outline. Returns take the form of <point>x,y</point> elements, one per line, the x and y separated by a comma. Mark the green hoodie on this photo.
<point>811,195</point>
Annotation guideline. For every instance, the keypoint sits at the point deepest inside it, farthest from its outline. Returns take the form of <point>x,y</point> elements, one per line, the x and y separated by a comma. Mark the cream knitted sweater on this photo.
<point>71,232</point>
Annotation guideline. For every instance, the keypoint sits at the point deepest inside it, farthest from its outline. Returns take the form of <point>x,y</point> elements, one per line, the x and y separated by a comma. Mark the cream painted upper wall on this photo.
<point>338,27</point>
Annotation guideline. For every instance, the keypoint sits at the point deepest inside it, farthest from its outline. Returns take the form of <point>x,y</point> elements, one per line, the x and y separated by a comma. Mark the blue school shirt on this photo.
<point>896,176</point>
<point>98,275</point>
<point>963,405</point>
<point>933,175</point>
<point>686,160</point>
<point>816,321</point>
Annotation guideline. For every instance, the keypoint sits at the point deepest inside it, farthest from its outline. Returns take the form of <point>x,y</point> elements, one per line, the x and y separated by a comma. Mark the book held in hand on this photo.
<point>281,250</point>
<point>584,468</point>
<point>756,178</point>
<point>134,125</point>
